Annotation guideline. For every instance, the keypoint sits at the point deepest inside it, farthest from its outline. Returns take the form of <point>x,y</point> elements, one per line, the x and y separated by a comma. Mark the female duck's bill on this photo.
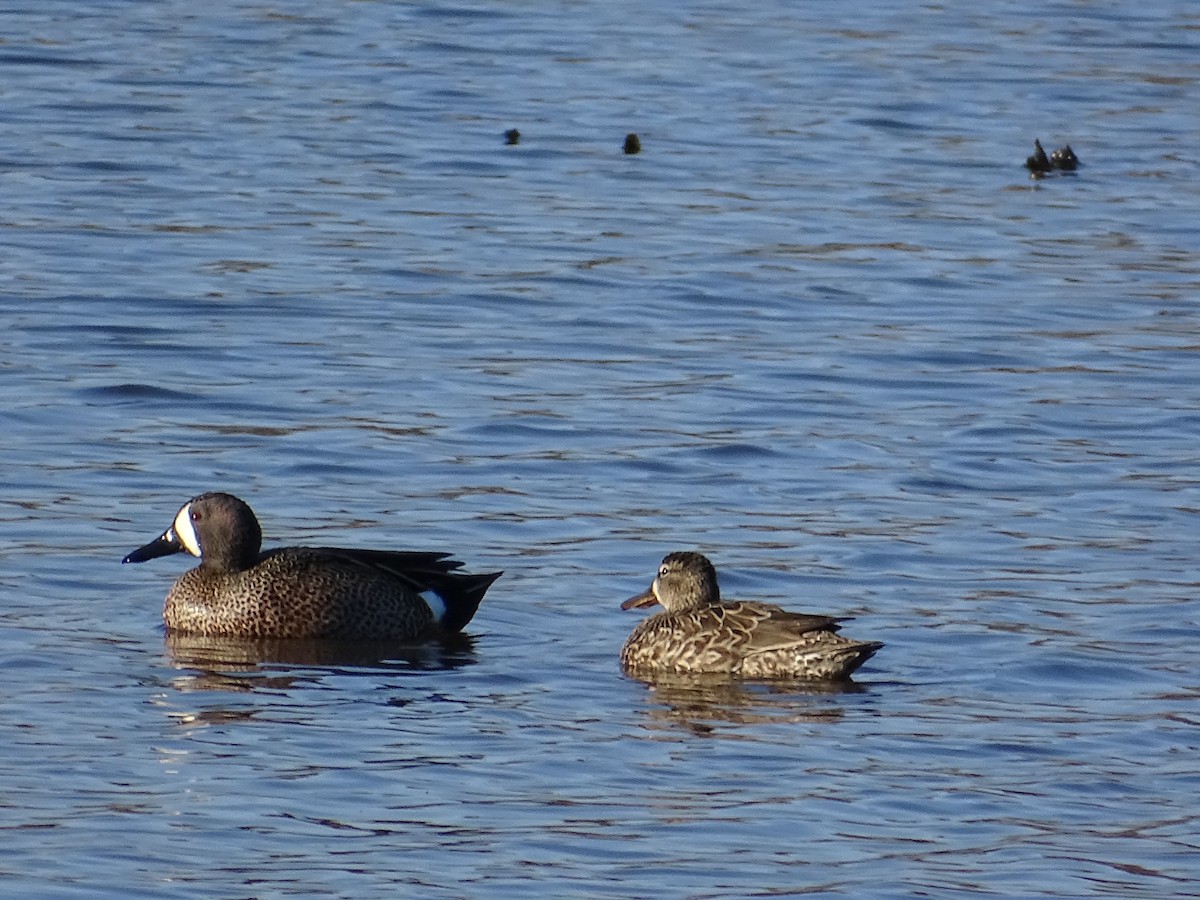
<point>645,598</point>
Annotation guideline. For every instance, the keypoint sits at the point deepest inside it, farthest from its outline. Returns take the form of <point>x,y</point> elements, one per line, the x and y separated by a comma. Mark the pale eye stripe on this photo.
<point>436,604</point>
<point>186,532</point>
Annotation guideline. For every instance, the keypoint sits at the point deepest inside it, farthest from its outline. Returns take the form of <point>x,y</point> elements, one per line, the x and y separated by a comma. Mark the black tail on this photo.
<point>463,594</point>
<point>423,571</point>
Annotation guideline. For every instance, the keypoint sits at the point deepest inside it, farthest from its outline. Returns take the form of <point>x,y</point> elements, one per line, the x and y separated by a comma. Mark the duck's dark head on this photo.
<point>219,529</point>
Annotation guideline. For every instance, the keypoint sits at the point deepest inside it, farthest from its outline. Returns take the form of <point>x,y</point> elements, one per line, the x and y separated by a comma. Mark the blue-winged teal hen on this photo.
<point>239,590</point>
<point>698,633</point>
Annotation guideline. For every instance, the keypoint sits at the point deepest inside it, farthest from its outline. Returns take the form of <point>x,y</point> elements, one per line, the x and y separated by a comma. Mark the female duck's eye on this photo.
<point>664,570</point>
<point>194,515</point>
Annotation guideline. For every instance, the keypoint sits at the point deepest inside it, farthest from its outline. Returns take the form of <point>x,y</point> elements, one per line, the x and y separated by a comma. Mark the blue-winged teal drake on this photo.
<point>697,633</point>
<point>239,590</point>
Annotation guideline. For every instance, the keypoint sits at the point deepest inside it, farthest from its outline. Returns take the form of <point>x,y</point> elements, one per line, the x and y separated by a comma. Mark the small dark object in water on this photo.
<point>1064,158</point>
<point>1038,164</point>
<point>512,136</point>
<point>633,144</point>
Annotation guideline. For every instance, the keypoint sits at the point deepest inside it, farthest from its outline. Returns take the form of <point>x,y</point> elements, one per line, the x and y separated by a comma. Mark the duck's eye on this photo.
<point>664,570</point>
<point>194,515</point>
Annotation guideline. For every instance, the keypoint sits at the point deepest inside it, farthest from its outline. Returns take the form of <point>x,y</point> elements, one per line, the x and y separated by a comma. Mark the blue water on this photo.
<point>823,328</point>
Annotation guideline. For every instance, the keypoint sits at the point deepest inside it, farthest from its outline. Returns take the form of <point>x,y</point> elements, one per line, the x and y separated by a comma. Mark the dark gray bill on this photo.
<point>163,545</point>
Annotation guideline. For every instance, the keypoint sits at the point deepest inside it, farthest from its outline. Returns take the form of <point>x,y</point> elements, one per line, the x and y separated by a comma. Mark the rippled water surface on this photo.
<point>823,328</point>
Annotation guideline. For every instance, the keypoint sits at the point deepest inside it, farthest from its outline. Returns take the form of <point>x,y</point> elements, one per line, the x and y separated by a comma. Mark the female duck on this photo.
<point>697,633</point>
<point>304,592</point>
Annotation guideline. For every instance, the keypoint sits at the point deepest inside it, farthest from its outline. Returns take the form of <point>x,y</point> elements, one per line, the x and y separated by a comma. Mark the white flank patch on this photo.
<point>185,531</point>
<point>436,604</point>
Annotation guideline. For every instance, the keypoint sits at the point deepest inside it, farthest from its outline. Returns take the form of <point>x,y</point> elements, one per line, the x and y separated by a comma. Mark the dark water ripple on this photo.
<point>823,327</point>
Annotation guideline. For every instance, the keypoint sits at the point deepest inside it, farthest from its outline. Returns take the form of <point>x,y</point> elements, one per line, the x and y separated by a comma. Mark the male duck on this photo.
<point>238,590</point>
<point>697,633</point>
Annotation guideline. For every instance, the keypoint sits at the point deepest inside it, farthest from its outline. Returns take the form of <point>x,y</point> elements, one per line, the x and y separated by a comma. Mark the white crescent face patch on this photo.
<point>185,531</point>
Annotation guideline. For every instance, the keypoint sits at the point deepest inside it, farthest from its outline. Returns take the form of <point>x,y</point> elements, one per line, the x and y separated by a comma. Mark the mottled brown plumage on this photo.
<point>304,592</point>
<point>697,633</point>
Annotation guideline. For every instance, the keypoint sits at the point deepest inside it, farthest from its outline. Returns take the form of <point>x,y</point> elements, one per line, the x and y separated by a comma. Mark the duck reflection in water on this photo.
<point>707,704</point>
<point>243,664</point>
<point>261,671</point>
